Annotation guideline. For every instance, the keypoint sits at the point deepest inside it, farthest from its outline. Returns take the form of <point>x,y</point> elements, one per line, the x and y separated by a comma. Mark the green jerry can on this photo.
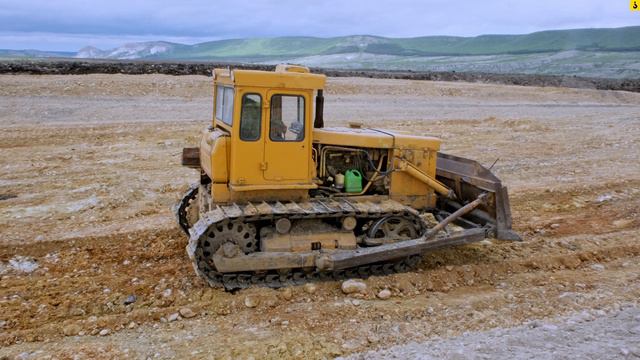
<point>353,181</point>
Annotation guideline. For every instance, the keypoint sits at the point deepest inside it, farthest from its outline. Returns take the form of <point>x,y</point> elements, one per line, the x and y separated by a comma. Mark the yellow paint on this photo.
<point>420,151</point>
<point>373,138</point>
<point>270,187</point>
<point>270,79</point>
<point>268,170</point>
<point>221,193</point>
<point>411,190</point>
<point>341,136</point>
<point>289,162</point>
<point>418,174</point>
<point>217,145</point>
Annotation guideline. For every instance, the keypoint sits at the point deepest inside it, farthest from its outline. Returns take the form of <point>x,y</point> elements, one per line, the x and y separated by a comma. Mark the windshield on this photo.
<point>224,104</point>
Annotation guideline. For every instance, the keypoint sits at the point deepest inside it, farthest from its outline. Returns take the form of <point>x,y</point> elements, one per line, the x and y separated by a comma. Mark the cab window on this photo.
<point>287,118</point>
<point>250,117</point>
<point>224,104</point>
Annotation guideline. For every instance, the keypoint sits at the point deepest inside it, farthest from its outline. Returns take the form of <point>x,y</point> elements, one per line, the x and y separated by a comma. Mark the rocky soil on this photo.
<point>585,335</point>
<point>92,264</point>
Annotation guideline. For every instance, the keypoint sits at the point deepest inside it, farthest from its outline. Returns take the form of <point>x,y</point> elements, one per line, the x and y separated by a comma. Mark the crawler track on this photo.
<point>313,209</point>
<point>182,207</point>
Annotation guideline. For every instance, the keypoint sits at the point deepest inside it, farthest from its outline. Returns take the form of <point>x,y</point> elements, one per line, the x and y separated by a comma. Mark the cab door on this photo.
<point>287,147</point>
<point>247,152</point>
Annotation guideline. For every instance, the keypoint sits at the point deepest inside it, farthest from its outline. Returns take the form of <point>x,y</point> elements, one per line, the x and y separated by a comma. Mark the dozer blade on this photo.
<point>469,179</point>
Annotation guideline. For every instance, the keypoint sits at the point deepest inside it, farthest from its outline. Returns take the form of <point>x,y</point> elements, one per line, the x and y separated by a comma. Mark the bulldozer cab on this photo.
<point>268,119</point>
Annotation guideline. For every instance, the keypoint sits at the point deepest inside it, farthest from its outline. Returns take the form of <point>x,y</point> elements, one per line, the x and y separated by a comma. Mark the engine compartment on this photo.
<point>335,164</point>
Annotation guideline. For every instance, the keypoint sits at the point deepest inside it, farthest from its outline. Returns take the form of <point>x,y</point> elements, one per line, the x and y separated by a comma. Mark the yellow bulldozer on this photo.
<point>283,200</point>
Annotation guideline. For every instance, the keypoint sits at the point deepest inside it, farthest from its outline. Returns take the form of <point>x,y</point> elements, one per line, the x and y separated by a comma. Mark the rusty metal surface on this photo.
<point>343,259</point>
<point>191,157</point>
<point>469,179</point>
<point>301,241</point>
<point>313,209</point>
<point>459,213</point>
<point>346,259</point>
<point>261,261</point>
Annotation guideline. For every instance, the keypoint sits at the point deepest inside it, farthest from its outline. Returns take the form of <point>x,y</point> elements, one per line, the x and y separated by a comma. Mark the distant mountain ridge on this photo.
<point>264,49</point>
<point>130,51</point>
<point>605,53</point>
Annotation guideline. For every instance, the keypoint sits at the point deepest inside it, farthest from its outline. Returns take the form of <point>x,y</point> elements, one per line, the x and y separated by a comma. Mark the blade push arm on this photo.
<point>412,170</point>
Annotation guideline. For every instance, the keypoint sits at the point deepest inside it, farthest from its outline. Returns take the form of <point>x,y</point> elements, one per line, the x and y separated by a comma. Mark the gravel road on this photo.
<point>587,335</point>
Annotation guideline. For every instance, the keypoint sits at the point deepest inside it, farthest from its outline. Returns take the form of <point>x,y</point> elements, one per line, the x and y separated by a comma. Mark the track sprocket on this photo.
<point>230,231</point>
<point>391,229</point>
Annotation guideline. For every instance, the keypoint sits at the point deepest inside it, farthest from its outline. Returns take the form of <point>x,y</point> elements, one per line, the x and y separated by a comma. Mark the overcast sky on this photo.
<point>72,24</point>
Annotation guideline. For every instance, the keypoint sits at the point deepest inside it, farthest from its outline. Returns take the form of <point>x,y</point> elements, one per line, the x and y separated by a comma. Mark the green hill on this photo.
<point>612,53</point>
<point>619,39</point>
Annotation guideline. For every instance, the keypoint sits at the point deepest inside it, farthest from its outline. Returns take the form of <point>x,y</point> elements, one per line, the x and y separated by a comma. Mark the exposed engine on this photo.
<point>336,163</point>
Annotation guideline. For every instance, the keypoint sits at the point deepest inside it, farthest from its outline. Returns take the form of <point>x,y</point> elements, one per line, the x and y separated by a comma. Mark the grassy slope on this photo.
<point>248,48</point>
<point>625,39</point>
<point>619,64</point>
<point>620,39</point>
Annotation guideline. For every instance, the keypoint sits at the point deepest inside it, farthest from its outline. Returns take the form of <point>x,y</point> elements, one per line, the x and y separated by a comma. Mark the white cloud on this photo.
<point>73,42</point>
<point>66,24</point>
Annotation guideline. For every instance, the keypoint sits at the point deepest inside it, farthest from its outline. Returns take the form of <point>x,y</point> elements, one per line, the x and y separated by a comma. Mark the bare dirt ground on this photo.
<point>580,336</point>
<point>89,167</point>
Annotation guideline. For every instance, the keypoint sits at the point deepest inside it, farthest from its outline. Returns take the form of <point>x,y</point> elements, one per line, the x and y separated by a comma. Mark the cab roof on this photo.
<point>284,76</point>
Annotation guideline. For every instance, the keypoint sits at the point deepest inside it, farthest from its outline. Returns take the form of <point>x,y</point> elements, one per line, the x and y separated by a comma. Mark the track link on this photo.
<point>312,209</point>
<point>182,208</point>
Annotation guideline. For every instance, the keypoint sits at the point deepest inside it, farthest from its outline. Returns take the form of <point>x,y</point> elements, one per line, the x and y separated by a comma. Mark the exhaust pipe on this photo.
<point>319,121</point>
